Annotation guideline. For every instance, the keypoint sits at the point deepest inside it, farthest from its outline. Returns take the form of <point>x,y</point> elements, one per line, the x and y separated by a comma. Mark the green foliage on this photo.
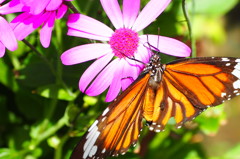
<point>43,114</point>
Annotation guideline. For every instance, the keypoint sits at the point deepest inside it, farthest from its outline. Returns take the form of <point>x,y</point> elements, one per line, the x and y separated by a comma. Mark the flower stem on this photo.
<point>58,150</point>
<point>192,39</point>
<point>40,55</point>
<point>49,132</point>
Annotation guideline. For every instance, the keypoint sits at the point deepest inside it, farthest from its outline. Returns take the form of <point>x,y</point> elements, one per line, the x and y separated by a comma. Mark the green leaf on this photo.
<point>7,77</point>
<point>193,154</point>
<point>215,29</point>
<point>210,120</point>
<point>88,100</point>
<point>47,91</point>
<point>212,7</point>
<point>30,104</point>
<point>4,152</point>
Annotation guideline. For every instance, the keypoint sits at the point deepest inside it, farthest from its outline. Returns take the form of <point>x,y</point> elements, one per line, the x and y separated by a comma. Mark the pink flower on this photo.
<point>36,13</point>
<point>13,6</point>
<point>38,6</point>
<point>7,37</point>
<point>124,42</point>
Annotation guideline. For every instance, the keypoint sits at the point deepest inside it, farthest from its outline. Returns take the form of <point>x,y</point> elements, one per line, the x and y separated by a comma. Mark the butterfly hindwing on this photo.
<point>189,86</point>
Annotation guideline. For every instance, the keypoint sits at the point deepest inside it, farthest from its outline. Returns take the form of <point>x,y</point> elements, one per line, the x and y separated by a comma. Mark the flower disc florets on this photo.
<point>124,42</point>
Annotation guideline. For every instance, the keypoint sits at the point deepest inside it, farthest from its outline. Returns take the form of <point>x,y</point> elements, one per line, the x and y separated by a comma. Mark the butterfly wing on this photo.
<point>189,86</point>
<point>186,88</point>
<point>117,128</point>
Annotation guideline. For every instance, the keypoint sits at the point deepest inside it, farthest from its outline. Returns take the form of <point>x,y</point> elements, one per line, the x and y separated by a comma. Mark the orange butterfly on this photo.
<point>181,89</point>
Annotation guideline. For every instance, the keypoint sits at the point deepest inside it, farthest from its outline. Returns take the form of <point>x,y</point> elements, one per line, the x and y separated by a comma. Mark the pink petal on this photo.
<point>87,26</point>
<point>84,53</point>
<point>115,86</point>
<point>113,11</point>
<point>7,36</point>
<point>2,1</point>
<point>12,7</point>
<point>130,12</point>
<point>103,80</point>
<point>53,5</point>
<point>46,31</point>
<point>2,49</point>
<point>24,26</point>
<point>143,54</point>
<point>93,70</point>
<point>129,73</point>
<point>149,13</point>
<point>78,33</point>
<point>61,11</point>
<point>167,45</point>
<point>15,22</point>
<point>36,6</point>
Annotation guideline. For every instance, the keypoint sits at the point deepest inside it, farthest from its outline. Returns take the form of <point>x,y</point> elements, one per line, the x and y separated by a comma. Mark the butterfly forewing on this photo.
<point>117,128</point>
<point>207,81</point>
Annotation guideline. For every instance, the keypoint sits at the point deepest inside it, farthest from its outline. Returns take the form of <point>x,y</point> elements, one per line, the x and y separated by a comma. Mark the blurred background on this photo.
<point>43,114</point>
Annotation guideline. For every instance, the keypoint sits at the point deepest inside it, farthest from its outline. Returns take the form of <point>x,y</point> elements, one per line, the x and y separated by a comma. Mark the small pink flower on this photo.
<point>13,6</point>
<point>38,6</point>
<point>119,73</point>
<point>36,13</point>
<point>7,37</point>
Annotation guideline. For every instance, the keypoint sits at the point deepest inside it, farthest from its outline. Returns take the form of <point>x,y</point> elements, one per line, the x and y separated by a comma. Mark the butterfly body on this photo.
<point>181,90</point>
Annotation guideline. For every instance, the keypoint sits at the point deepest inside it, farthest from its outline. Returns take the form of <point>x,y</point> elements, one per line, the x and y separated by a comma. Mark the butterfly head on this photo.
<point>155,68</point>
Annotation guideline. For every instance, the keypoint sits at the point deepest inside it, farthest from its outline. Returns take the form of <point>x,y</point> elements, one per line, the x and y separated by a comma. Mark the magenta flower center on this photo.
<point>124,42</point>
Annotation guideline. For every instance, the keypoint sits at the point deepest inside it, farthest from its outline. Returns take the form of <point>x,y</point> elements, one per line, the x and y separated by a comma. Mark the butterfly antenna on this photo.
<point>131,58</point>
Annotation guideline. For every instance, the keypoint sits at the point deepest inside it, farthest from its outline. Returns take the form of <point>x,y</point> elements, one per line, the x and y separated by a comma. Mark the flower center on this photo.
<point>124,42</point>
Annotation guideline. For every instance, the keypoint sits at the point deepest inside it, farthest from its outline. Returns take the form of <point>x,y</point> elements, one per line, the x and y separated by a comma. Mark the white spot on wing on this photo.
<point>90,135</point>
<point>237,66</point>
<point>237,60</point>
<point>225,59</point>
<point>105,111</point>
<point>179,126</point>
<point>223,94</point>
<point>93,125</point>
<point>93,151</point>
<point>236,84</point>
<point>157,130</point>
<point>89,144</point>
<point>103,119</point>
<point>104,150</point>
<point>228,64</point>
<point>151,128</point>
<point>236,73</point>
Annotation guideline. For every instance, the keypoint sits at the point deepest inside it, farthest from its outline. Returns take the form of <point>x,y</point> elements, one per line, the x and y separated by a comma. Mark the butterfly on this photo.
<point>181,89</point>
